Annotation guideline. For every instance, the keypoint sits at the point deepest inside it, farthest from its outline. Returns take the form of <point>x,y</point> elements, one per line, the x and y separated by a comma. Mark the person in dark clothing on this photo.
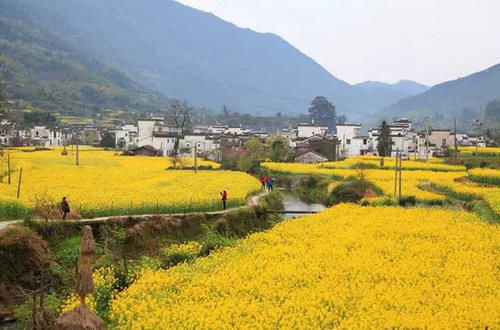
<point>64,207</point>
<point>224,199</point>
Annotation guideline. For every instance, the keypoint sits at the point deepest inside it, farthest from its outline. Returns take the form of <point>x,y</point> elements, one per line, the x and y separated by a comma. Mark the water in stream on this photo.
<point>293,203</point>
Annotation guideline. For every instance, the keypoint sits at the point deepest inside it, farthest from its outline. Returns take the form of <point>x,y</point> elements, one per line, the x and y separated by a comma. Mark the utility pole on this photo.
<point>455,140</point>
<point>397,176</point>
<point>8,164</point>
<point>476,126</point>
<point>19,183</point>
<point>195,158</point>
<point>427,126</point>
<point>77,155</point>
<point>400,174</point>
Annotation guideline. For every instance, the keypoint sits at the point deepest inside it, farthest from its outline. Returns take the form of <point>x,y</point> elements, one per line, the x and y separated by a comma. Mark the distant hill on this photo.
<point>463,98</point>
<point>44,71</point>
<point>179,51</point>
<point>405,88</point>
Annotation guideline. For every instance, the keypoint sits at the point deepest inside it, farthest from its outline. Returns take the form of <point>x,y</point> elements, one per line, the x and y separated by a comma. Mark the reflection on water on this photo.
<point>292,203</point>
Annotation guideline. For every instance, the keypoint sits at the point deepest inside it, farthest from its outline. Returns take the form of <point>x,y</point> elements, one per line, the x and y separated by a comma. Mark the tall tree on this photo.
<point>108,140</point>
<point>180,114</point>
<point>322,112</point>
<point>384,143</point>
<point>278,149</point>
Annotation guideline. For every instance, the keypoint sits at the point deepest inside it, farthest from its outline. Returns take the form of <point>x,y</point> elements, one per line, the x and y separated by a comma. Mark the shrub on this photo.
<point>272,201</point>
<point>407,200</point>
<point>24,255</point>
<point>239,223</point>
<point>349,192</point>
<point>362,165</point>
<point>14,210</point>
<point>213,242</point>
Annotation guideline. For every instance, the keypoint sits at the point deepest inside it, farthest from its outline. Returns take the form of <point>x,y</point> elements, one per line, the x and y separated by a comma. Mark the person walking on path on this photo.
<point>271,183</point>
<point>64,207</point>
<point>263,182</point>
<point>224,199</point>
<point>268,179</point>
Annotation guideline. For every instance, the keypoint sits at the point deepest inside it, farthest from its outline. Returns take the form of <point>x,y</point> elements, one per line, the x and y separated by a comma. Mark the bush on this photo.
<point>54,231</point>
<point>349,192</point>
<point>68,251</point>
<point>14,210</point>
<point>362,165</point>
<point>272,201</point>
<point>313,189</point>
<point>239,223</point>
<point>23,256</point>
<point>215,242</point>
<point>407,201</point>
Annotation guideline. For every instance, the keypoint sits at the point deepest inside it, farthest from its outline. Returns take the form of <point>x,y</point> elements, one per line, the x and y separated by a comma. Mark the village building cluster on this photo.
<point>309,143</point>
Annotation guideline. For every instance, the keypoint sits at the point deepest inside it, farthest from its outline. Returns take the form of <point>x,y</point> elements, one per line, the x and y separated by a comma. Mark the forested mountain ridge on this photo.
<point>464,98</point>
<point>188,54</point>
<point>41,70</point>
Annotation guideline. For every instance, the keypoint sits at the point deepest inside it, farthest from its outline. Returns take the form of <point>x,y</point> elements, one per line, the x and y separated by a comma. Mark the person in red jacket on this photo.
<point>224,199</point>
<point>263,182</point>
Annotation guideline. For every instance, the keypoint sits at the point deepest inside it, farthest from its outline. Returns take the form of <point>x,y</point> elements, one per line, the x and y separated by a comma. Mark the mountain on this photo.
<point>44,71</point>
<point>464,99</point>
<point>405,88</point>
<point>182,53</point>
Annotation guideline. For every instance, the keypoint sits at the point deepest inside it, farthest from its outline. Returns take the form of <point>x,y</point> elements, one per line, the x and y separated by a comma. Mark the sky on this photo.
<point>429,41</point>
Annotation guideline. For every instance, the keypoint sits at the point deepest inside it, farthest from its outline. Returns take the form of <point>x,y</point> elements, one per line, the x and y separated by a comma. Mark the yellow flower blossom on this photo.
<point>347,267</point>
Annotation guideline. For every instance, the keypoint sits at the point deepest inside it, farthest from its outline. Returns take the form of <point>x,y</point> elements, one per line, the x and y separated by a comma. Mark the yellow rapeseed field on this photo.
<point>348,267</point>
<point>107,183</point>
<point>413,181</point>
<point>469,151</point>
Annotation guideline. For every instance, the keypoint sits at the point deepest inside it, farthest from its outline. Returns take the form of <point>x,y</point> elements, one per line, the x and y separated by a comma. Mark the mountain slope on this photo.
<point>405,88</point>
<point>464,98</point>
<point>42,70</point>
<point>188,54</point>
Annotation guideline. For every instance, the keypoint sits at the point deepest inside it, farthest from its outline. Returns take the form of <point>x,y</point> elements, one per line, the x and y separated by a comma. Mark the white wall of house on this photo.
<point>145,132</point>
<point>346,133</point>
<point>305,131</point>
<point>359,146</point>
<point>234,131</point>
<point>203,144</point>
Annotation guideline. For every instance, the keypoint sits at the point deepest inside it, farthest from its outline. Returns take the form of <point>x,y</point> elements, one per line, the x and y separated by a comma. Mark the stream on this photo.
<point>293,203</point>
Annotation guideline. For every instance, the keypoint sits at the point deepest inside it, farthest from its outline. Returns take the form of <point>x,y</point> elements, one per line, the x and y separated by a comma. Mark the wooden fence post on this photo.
<point>8,164</point>
<point>19,183</point>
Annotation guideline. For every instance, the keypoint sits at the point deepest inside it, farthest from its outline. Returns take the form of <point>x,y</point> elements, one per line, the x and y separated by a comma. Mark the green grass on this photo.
<point>484,211</point>
<point>13,210</point>
<point>485,179</point>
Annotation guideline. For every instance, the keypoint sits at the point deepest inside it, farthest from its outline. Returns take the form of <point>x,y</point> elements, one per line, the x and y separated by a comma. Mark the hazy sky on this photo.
<point>429,41</point>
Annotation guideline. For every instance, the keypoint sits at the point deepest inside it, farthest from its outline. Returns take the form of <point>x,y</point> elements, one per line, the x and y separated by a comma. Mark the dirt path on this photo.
<point>251,201</point>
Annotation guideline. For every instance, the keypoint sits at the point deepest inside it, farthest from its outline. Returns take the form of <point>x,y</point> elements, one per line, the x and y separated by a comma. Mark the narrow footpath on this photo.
<point>251,201</point>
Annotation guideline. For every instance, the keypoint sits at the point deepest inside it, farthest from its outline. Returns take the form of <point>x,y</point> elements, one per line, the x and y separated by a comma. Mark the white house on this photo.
<point>308,130</point>
<point>155,133</point>
<point>345,134</point>
<point>126,136</point>
<point>235,131</point>
<point>217,129</point>
<point>48,137</point>
<point>359,146</point>
<point>204,145</point>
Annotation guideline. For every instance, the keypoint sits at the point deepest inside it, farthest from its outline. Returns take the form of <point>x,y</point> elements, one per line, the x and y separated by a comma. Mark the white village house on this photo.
<point>153,132</point>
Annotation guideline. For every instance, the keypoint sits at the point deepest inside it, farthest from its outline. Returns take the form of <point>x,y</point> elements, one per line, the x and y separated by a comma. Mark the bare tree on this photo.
<point>180,113</point>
